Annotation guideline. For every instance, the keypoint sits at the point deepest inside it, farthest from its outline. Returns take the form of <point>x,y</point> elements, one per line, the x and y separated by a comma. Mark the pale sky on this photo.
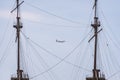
<point>44,22</point>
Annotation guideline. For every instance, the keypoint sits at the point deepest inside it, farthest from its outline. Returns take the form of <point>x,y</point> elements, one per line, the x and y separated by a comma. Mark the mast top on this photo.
<point>95,6</point>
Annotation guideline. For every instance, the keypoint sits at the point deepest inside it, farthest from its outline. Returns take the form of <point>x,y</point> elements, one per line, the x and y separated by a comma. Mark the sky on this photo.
<point>44,22</point>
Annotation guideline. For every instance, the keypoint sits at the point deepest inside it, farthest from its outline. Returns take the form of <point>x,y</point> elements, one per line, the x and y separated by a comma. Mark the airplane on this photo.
<point>60,41</point>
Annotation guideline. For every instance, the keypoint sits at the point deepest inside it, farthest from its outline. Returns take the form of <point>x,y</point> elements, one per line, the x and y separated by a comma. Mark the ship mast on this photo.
<point>95,25</point>
<point>18,26</point>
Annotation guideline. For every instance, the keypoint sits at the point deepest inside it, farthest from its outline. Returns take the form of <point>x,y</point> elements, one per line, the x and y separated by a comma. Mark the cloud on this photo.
<point>31,16</point>
<point>5,14</point>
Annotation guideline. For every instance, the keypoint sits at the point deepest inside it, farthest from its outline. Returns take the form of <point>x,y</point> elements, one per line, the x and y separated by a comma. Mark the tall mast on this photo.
<point>18,27</point>
<point>18,35</point>
<point>96,25</point>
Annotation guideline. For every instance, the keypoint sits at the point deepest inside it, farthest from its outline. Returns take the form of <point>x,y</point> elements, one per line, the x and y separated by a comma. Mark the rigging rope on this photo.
<point>113,74</point>
<point>65,19</point>
<point>5,32</point>
<point>56,55</point>
<point>54,25</point>
<point>110,30</point>
<point>61,59</point>
<point>45,64</point>
<point>109,58</point>
<point>7,48</point>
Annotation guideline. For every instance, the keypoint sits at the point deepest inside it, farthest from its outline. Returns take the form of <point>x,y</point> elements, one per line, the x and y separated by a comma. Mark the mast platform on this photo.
<point>15,78</point>
<point>21,77</point>
<point>92,78</point>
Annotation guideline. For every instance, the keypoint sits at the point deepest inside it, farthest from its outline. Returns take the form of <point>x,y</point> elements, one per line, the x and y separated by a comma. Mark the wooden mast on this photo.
<point>18,26</point>
<point>95,25</point>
